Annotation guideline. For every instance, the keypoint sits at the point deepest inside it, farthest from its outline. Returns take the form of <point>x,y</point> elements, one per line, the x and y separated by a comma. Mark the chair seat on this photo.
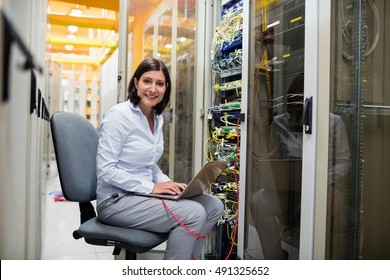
<point>139,241</point>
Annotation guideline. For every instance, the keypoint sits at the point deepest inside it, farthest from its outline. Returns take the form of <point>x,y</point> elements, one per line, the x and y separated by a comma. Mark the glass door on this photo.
<point>275,130</point>
<point>185,90</point>
<point>164,53</point>
<point>170,36</point>
<point>358,219</point>
<point>342,211</point>
<point>148,41</point>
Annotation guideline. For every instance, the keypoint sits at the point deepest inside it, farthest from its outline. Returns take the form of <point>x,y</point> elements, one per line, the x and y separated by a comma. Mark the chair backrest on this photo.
<point>75,145</point>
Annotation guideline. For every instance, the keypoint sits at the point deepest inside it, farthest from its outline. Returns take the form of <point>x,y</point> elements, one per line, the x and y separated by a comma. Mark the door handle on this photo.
<point>307,115</point>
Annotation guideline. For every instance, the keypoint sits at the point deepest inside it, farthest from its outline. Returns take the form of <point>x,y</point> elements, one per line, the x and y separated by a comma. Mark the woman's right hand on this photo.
<point>172,188</point>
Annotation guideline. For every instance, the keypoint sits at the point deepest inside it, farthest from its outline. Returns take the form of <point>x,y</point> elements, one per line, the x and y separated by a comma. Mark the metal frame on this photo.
<point>122,49</point>
<point>244,127</point>
<point>172,131</point>
<point>315,146</point>
<point>203,18</point>
<point>309,141</point>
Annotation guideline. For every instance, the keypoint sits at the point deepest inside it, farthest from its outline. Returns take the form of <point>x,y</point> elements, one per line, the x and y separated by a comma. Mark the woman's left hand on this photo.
<point>172,188</point>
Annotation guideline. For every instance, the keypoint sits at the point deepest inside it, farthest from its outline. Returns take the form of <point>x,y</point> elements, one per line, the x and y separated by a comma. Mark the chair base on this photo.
<point>128,254</point>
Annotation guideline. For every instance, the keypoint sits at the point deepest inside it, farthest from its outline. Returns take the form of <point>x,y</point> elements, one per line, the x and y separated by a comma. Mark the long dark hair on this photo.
<point>150,64</point>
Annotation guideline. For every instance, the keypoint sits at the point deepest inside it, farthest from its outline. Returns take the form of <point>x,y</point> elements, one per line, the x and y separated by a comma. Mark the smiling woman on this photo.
<point>150,79</point>
<point>130,146</point>
<point>84,80</point>
<point>151,88</point>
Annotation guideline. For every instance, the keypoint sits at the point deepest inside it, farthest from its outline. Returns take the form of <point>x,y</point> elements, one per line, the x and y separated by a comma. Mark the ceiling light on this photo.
<point>72,28</point>
<point>68,47</point>
<point>76,13</point>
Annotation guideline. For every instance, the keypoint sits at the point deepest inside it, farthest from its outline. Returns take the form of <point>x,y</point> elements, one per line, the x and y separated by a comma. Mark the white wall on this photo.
<point>109,84</point>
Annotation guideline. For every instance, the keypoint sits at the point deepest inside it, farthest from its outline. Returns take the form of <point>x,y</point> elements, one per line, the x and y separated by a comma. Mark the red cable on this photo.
<point>235,226</point>
<point>236,180</point>
<point>180,222</point>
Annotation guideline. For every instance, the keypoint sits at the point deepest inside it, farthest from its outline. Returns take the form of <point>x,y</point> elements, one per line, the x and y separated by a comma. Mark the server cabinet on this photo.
<point>275,130</point>
<point>315,162</point>
<point>360,95</point>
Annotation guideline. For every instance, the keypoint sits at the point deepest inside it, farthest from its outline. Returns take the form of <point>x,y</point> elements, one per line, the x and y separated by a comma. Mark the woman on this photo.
<point>130,145</point>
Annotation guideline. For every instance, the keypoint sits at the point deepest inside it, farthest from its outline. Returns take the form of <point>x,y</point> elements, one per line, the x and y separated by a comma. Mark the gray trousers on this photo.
<point>199,214</point>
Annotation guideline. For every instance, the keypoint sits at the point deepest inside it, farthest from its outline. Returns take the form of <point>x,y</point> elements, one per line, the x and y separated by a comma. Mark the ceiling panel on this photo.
<point>97,33</point>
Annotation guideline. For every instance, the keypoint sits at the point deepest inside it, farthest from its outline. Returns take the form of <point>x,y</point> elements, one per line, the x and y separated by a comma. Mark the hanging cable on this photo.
<point>181,223</point>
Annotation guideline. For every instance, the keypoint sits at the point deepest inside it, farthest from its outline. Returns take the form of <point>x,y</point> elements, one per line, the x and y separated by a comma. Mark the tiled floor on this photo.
<point>60,218</point>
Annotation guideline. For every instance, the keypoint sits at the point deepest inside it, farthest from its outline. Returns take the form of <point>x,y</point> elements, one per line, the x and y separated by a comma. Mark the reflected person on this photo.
<point>273,209</point>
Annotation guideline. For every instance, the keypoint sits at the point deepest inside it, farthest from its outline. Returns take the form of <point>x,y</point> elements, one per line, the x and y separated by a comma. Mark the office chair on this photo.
<point>75,145</point>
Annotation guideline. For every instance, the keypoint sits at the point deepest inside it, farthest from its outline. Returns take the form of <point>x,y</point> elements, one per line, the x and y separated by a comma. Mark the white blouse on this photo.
<point>128,152</point>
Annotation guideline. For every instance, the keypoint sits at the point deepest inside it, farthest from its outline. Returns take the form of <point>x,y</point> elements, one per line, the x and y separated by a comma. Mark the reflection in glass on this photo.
<point>185,89</point>
<point>275,131</point>
<point>164,33</point>
<point>164,37</point>
<point>360,95</point>
<point>148,42</point>
<point>178,53</point>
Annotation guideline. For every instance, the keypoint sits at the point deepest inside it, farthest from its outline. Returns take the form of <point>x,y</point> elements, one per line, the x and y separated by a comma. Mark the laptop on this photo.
<point>203,180</point>
<point>280,174</point>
